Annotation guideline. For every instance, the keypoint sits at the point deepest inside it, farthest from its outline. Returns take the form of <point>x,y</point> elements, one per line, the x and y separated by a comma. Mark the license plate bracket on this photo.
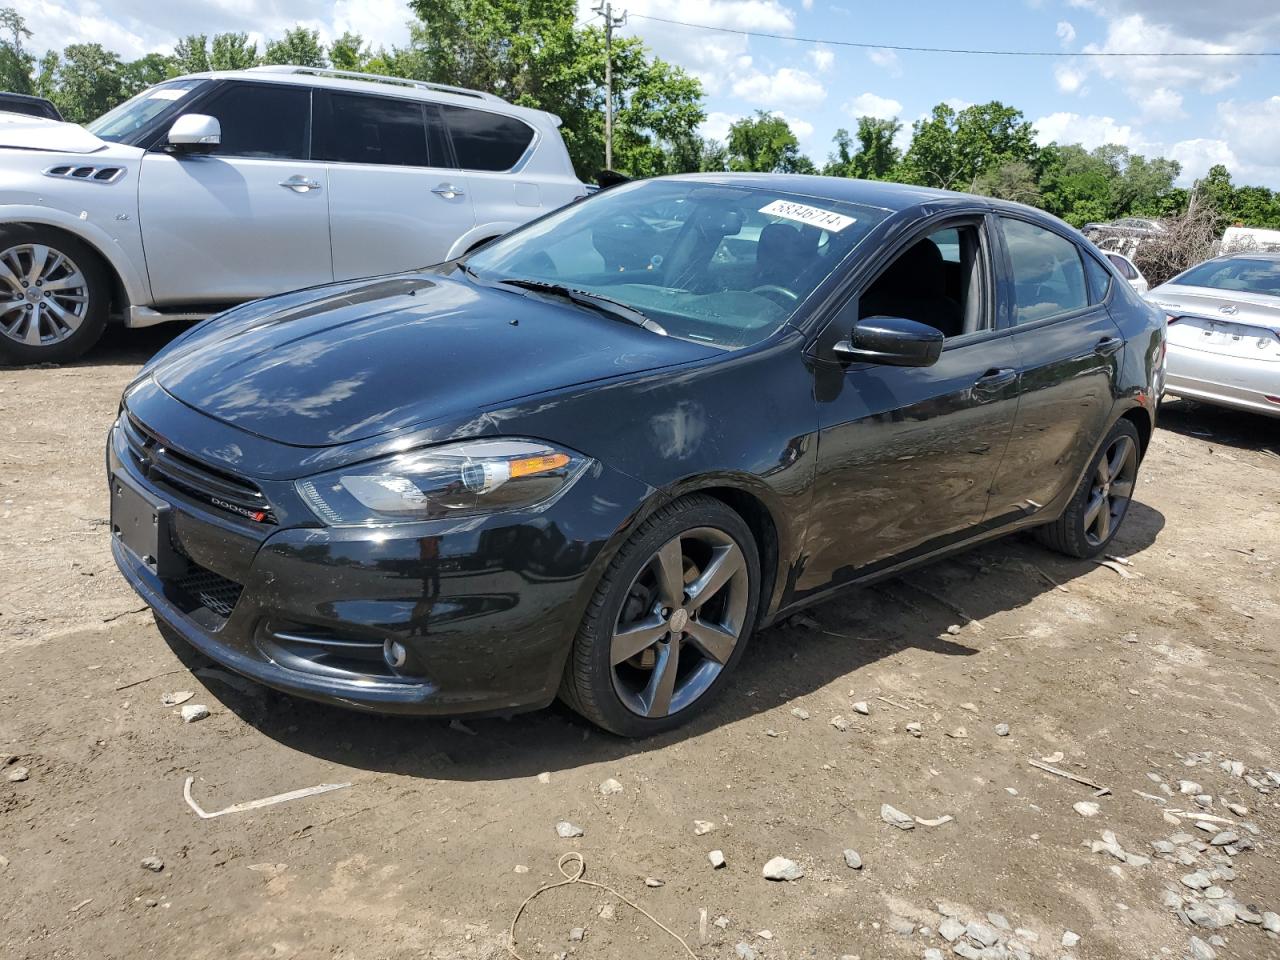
<point>142,523</point>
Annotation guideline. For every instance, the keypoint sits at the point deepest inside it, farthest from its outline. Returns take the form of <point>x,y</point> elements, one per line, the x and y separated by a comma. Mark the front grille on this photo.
<point>212,591</point>
<point>207,485</point>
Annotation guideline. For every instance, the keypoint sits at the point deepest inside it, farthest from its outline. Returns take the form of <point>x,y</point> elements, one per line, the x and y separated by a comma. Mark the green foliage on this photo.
<point>349,52</point>
<point>873,157</point>
<point>137,75</point>
<point>1107,182</point>
<point>16,63</point>
<point>232,51</point>
<point>299,47</point>
<point>191,54</point>
<point>1012,180</point>
<point>1247,206</point>
<point>764,143</point>
<point>951,149</point>
<point>85,82</point>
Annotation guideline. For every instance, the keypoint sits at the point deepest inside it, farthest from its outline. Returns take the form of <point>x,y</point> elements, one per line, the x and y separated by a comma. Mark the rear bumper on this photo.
<point>1241,383</point>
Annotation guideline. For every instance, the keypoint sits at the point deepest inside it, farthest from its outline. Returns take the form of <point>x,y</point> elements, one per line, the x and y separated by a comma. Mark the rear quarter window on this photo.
<point>484,140</point>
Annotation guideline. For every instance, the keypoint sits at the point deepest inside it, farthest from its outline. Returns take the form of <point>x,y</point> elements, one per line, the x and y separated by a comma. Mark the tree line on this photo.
<point>532,52</point>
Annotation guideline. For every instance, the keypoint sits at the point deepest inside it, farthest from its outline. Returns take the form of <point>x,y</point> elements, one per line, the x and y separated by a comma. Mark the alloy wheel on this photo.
<point>682,618</point>
<point>1112,489</point>
<point>44,296</point>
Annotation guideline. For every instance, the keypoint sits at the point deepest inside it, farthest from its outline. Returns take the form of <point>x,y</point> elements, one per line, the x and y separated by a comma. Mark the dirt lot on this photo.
<point>1138,681</point>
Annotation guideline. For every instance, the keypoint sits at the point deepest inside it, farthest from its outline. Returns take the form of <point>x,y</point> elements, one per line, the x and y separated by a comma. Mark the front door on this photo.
<point>248,220</point>
<point>396,202</point>
<point>907,455</point>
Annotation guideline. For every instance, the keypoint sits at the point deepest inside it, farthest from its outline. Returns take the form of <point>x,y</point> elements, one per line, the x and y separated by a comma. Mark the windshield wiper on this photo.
<point>598,302</point>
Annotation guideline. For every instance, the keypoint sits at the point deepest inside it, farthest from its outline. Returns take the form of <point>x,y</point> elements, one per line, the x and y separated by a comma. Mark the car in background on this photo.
<point>29,106</point>
<point>210,190</point>
<point>589,459</point>
<point>1224,332</point>
<point>1125,227</point>
<point>1240,239</point>
<point>1129,270</point>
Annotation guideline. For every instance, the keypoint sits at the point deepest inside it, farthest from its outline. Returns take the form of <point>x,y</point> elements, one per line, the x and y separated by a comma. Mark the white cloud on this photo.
<point>1252,132</point>
<point>716,126</point>
<point>822,59</point>
<point>1197,156</point>
<point>1070,78</point>
<point>1162,105</point>
<point>786,87</point>
<point>802,128</point>
<point>1066,32</point>
<point>886,60</point>
<point>1089,131</point>
<point>871,105</point>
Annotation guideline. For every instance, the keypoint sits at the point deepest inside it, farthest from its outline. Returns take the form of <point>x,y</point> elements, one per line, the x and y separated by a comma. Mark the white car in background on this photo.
<point>1128,270</point>
<point>1224,332</point>
<point>209,190</point>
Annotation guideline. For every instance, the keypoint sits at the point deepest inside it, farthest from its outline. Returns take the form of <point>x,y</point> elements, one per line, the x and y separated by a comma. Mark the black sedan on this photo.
<point>591,458</point>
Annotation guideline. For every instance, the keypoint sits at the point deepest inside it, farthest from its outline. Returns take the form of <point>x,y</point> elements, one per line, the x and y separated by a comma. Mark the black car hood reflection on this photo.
<point>358,361</point>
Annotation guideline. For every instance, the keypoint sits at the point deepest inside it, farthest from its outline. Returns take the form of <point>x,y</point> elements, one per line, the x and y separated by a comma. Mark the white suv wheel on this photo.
<point>44,296</point>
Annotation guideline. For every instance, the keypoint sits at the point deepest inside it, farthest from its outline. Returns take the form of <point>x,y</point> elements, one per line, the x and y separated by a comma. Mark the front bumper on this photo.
<point>1238,382</point>
<point>484,610</point>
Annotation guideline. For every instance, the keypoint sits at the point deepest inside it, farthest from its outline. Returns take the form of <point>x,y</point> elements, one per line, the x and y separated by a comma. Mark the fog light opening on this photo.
<point>395,654</point>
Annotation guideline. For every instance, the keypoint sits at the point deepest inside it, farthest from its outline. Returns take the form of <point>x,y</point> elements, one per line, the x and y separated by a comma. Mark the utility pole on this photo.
<point>605,9</point>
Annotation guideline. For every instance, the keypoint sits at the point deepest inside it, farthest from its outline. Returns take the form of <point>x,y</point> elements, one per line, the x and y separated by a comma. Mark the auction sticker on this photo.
<point>813,216</point>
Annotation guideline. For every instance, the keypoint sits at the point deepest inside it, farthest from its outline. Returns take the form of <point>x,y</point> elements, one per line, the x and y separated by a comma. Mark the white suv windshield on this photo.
<point>725,265</point>
<point>135,113</point>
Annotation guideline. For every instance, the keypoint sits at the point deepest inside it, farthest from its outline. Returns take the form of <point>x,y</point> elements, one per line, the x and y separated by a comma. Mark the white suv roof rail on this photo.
<point>378,78</point>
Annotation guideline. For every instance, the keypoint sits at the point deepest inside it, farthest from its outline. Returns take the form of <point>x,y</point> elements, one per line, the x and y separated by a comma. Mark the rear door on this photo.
<point>492,149</point>
<point>248,220</point>
<point>396,200</point>
<point>1070,352</point>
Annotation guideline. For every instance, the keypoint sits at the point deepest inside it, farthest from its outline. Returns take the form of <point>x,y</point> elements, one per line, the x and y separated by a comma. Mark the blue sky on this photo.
<point>1198,111</point>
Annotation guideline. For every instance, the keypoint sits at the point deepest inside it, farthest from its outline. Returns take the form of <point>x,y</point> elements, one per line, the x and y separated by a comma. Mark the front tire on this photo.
<point>54,296</point>
<point>1101,502</point>
<point>668,622</point>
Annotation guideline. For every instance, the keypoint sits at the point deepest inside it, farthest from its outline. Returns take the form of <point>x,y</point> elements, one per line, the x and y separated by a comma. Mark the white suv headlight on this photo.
<point>462,479</point>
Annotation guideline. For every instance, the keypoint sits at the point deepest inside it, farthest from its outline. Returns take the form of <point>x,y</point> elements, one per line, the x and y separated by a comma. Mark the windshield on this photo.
<point>1250,274</point>
<point>716,264</point>
<point>134,114</point>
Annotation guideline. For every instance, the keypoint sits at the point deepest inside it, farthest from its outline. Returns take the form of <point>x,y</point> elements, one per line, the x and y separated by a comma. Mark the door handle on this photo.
<point>300,184</point>
<point>1107,346</point>
<point>995,379</point>
<point>449,191</point>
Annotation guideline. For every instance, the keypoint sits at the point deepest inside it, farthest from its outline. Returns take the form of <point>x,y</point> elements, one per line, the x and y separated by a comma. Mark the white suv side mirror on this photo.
<point>195,133</point>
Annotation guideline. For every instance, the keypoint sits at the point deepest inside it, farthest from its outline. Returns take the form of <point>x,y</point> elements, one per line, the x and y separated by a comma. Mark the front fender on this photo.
<point>479,233</point>
<point>120,248</point>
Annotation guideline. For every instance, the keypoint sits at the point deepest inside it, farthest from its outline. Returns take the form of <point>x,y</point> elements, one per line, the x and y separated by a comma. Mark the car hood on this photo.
<point>1210,301</point>
<point>21,132</point>
<point>350,361</point>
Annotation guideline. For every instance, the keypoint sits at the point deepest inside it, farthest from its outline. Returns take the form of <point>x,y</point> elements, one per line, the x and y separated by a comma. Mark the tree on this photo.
<point>16,63</point>
<point>349,52</point>
<point>191,54</point>
<point>299,47</point>
<point>951,149</point>
<point>233,51</point>
<point>137,75</point>
<point>534,54</point>
<point>764,142</point>
<point>86,82</point>
<point>1014,180</point>
<point>874,156</point>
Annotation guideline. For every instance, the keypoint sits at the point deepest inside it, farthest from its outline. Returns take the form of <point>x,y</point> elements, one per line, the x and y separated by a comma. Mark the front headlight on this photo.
<point>462,479</point>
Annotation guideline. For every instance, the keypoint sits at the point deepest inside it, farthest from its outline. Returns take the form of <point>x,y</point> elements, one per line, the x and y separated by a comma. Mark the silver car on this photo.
<point>1224,332</point>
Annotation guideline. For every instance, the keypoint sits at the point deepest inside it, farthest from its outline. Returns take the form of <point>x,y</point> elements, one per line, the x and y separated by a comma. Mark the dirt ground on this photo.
<point>1139,676</point>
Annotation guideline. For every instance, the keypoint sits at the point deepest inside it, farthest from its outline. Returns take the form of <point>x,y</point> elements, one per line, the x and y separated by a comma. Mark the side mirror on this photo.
<point>895,341</point>
<point>195,133</point>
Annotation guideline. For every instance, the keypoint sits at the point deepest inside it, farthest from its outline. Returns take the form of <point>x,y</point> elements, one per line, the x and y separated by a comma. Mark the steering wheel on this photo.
<point>768,288</point>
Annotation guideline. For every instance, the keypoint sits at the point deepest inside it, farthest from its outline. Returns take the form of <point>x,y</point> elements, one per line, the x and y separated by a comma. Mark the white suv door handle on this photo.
<point>300,184</point>
<point>449,191</point>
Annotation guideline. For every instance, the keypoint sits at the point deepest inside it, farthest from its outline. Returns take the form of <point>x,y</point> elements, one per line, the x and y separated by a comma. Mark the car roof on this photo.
<point>1248,255</point>
<point>374,83</point>
<point>894,197</point>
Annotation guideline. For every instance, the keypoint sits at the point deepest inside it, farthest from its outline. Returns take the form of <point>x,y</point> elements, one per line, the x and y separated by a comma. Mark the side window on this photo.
<point>262,120</point>
<point>486,141</point>
<point>1122,265</point>
<point>1099,278</point>
<point>354,128</point>
<point>939,280</point>
<point>1048,277</point>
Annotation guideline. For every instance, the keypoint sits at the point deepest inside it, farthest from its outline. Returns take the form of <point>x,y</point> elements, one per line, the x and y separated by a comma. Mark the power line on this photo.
<point>956,50</point>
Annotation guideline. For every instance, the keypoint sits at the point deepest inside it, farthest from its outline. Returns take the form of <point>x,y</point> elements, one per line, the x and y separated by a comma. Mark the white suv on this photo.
<point>213,189</point>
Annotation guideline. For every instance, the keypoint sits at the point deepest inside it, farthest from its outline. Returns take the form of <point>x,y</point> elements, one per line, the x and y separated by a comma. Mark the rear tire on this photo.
<point>655,650</point>
<point>1101,502</point>
<point>54,295</point>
